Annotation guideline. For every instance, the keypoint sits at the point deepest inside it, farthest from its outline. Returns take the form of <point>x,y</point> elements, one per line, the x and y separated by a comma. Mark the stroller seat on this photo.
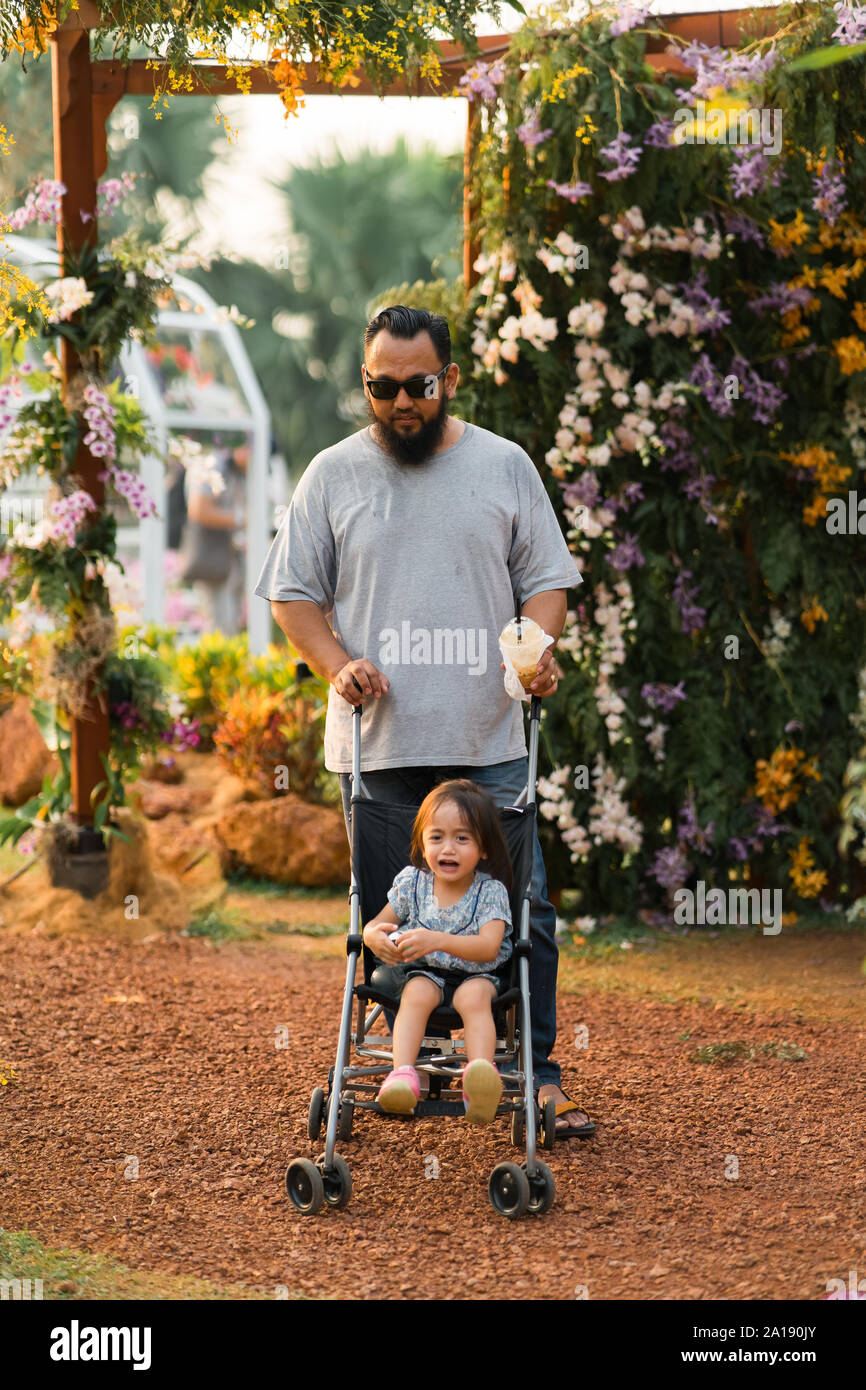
<point>443,1017</point>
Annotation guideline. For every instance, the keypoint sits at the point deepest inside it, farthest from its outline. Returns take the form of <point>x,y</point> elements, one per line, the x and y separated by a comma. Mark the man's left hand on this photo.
<point>549,674</point>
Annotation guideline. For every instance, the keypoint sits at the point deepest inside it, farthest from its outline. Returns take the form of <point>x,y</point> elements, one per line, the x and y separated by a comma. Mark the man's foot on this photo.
<point>575,1119</point>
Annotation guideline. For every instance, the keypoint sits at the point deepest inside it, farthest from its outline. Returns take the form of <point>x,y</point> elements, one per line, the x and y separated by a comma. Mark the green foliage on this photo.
<point>273,739</point>
<point>206,675</point>
<point>827,57</point>
<point>705,557</point>
<point>52,803</point>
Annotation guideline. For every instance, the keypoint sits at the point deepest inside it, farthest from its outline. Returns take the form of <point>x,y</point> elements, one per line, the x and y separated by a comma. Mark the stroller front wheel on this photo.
<point>547,1126</point>
<point>542,1188</point>
<point>316,1113</point>
<point>509,1190</point>
<point>518,1128</point>
<point>336,1181</point>
<point>304,1186</point>
<point>344,1120</point>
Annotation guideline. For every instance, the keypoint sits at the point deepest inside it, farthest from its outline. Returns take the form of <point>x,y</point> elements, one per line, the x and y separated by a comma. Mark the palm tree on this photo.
<point>357,226</point>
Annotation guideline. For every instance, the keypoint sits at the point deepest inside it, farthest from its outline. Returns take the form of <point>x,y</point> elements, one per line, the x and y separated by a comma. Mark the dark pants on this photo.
<point>407,786</point>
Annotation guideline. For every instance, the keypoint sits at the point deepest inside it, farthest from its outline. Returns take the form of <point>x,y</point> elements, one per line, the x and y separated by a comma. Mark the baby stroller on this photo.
<point>380,841</point>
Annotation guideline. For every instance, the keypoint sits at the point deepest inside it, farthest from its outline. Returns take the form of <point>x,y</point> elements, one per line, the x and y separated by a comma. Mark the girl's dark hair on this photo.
<point>479,812</point>
<point>402,322</point>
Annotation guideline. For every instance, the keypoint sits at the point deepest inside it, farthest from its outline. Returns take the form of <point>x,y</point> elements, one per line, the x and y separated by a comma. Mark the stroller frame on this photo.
<point>513,1189</point>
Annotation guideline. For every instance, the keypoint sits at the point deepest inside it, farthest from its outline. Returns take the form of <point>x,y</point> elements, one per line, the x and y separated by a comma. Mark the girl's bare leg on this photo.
<point>419,998</point>
<point>472,1000</point>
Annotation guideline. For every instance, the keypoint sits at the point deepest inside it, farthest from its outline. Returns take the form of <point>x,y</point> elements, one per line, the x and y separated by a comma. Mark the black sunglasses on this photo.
<point>416,387</point>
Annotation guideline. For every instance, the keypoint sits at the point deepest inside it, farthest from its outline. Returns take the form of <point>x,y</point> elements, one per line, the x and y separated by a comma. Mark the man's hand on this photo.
<point>548,677</point>
<point>367,681</point>
<point>377,938</point>
<point>417,942</point>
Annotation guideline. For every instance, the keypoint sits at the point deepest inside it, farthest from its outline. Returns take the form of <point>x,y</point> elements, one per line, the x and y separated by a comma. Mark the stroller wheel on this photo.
<point>548,1126</point>
<point>304,1186</point>
<point>542,1188</point>
<point>316,1113</point>
<point>336,1181</point>
<point>508,1190</point>
<point>344,1121</point>
<point>518,1128</point>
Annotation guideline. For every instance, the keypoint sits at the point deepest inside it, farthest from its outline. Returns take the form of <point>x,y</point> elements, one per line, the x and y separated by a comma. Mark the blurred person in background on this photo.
<point>222,594</point>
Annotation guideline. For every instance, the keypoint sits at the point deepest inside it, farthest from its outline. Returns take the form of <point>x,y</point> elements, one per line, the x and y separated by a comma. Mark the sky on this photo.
<point>268,144</point>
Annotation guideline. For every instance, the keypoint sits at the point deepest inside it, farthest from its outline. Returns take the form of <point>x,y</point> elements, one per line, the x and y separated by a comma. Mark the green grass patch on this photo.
<point>240,882</point>
<point>221,924</point>
<point>72,1274</point>
<point>305,929</point>
<point>735,1051</point>
<point>262,887</point>
<point>613,935</point>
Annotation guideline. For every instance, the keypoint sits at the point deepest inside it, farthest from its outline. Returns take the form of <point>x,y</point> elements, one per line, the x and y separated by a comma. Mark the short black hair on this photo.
<point>408,323</point>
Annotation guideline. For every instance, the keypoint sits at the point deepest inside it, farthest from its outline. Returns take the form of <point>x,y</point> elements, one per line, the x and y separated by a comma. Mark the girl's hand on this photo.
<point>377,938</point>
<point>417,942</point>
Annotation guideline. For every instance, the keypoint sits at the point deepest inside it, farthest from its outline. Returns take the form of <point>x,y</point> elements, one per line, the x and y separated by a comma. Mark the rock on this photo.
<point>175,842</point>
<point>231,790</point>
<point>157,800</point>
<point>24,755</point>
<point>164,770</point>
<point>284,839</point>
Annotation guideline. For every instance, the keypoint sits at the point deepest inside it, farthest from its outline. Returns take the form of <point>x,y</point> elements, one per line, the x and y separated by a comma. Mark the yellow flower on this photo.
<point>815,510</point>
<point>808,881</point>
<point>858,313</point>
<point>557,90</point>
<point>851,352</point>
<point>813,615</point>
<point>776,778</point>
<point>32,35</point>
<point>833,279</point>
<point>793,234</point>
<point>827,235</point>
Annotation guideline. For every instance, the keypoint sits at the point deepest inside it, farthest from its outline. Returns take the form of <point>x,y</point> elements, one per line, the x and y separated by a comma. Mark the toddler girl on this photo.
<point>454,923</point>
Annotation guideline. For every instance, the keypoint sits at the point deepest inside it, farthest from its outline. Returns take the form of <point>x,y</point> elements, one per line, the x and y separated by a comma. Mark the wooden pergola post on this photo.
<point>72,102</point>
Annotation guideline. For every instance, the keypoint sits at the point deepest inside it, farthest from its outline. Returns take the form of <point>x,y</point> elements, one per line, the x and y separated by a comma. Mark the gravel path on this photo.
<point>159,1058</point>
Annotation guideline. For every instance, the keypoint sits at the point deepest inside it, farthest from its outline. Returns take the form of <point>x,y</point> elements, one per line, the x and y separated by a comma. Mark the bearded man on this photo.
<point>405,550</point>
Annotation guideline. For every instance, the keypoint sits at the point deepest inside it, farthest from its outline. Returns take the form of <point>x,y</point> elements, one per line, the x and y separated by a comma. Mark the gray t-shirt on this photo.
<point>418,567</point>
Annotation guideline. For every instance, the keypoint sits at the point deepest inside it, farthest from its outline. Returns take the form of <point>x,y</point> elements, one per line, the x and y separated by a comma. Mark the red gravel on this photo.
<point>189,1080</point>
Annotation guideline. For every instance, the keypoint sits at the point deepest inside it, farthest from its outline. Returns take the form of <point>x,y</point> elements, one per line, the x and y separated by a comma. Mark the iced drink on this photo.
<point>523,641</point>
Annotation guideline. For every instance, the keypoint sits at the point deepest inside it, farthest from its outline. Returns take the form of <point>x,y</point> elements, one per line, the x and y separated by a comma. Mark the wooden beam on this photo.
<point>728,28</point>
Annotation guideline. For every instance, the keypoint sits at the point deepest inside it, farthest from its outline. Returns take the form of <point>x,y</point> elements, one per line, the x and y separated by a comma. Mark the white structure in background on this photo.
<point>197,380</point>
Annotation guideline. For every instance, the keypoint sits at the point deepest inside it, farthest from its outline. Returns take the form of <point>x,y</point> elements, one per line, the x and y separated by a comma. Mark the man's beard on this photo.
<point>414,447</point>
